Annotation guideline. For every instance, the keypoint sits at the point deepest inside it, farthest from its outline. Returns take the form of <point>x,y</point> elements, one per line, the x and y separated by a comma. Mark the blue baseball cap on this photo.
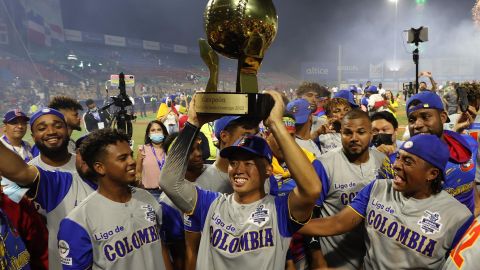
<point>427,99</point>
<point>346,94</point>
<point>222,123</point>
<point>301,109</point>
<point>43,112</point>
<point>421,145</point>
<point>249,144</point>
<point>14,114</point>
<point>372,89</point>
<point>353,88</point>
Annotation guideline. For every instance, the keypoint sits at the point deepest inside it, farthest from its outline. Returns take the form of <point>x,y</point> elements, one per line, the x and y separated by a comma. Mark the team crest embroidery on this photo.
<point>467,166</point>
<point>64,250</point>
<point>408,144</point>
<point>260,217</point>
<point>149,213</point>
<point>430,222</point>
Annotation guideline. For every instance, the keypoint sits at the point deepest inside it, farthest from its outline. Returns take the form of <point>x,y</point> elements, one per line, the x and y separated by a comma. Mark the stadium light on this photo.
<point>421,2</point>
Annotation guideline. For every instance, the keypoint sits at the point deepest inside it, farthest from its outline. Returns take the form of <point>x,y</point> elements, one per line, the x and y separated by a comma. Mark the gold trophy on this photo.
<point>243,30</point>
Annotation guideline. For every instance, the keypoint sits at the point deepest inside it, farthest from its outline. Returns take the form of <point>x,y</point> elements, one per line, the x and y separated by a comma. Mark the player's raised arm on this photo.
<point>182,193</point>
<point>14,168</point>
<point>345,221</point>
<point>303,197</point>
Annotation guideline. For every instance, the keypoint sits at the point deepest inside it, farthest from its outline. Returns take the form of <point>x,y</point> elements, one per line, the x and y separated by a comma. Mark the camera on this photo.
<point>462,94</point>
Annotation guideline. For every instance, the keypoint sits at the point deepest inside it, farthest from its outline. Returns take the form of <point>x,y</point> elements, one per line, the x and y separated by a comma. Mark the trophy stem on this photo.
<point>247,81</point>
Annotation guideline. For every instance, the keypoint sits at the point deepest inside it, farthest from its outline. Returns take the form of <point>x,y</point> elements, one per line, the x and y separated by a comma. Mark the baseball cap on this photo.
<point>346,94</point>
<point>43,112</point>
<point>249,144</point>
<point>222,123</point>
<point>427,99</point>
<point>421,145</point>
<point>14,114</point>
<point>301,109</point>
<point>372,89</point>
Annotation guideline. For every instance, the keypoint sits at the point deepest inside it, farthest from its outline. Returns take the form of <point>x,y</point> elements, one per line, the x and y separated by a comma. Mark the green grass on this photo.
<point>139,126</point>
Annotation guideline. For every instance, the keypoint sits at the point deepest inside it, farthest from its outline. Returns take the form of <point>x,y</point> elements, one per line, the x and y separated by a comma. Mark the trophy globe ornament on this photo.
<point>242,30</point>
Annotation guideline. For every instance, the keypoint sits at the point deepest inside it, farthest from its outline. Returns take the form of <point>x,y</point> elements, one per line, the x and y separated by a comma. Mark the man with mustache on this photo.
<point>359,165</point>
<point>50,133</point>
<point>426,115</point>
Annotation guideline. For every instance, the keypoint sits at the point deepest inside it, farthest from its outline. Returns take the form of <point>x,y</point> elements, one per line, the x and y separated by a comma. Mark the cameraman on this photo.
<point>384,129</point>
<point>94,118</point>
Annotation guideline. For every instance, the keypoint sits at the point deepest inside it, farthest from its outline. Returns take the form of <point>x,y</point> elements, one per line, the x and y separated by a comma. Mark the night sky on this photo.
<point>308,29</point>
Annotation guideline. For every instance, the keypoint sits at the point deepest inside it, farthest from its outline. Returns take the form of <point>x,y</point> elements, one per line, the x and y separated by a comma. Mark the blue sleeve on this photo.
<point>286,224</point>
<point>360,202</point>
<point>172,224</point>
<point>194,222</point>
<point>35,152</point>
<point>461,231</point>
<point>322,174</point>
<point>273,185</point>
<point>364,101</point>
<point>51,188</point>
<point>74,246</point>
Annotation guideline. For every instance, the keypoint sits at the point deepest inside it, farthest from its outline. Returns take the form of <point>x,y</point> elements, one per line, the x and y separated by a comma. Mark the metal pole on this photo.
<point>339,67</point>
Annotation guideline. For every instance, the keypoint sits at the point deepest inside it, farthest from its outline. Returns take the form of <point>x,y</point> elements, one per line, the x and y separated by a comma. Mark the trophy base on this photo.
<point>224,103</point>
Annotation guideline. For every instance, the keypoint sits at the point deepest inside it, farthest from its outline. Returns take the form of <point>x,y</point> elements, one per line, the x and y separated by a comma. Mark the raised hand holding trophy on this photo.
<point>243,30</point>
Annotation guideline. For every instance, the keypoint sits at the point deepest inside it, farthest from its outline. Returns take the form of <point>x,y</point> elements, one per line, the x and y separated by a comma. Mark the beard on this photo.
<point>53,153</point>
<point>354,155</point>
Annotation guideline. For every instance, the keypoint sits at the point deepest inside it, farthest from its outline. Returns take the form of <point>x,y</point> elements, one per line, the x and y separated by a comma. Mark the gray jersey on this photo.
<point>309,145</point>
<point>329,142</point>
<point>104,234</point>
<point>214,180</point>
<point>57,193</point>
<point>466,255</point>
<point>246,236</point>
<point>408,233</point>
<point>345,180</point>
<point>68,167</point>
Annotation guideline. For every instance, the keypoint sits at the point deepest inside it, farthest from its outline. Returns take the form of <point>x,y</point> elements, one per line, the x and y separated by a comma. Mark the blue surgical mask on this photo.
<point>157,138</point>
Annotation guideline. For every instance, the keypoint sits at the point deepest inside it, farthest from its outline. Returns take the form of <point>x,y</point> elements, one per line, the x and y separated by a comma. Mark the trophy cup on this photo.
<point>243,30</point>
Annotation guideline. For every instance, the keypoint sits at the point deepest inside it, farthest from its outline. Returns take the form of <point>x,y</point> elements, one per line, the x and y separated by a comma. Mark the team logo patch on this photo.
<point>46,110</point>
<point>149,213</point>
<point>430,222</point>
<point>260,216</point>
<point>64,250</point>
<point>467,166</point>
<point>408,144</point>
